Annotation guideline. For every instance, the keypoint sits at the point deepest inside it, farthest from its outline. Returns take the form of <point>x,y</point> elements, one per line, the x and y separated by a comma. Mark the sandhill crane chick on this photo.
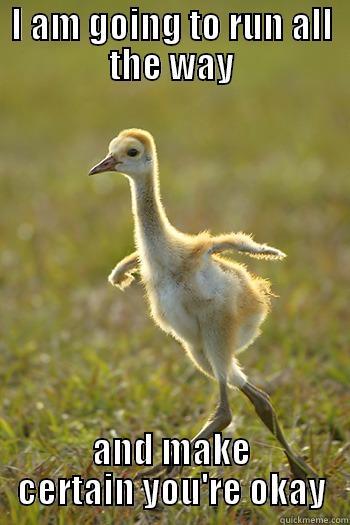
<point>211,305</point>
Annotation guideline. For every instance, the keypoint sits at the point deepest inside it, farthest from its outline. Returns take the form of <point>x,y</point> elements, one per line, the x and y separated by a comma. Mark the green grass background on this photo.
<point>268,154</point>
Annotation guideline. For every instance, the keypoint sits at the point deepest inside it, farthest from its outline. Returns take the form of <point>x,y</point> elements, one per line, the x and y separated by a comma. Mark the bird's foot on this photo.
<point>299,468</point>
<point>160,471</point>
<point>174,472</point>
<point>152,472</point>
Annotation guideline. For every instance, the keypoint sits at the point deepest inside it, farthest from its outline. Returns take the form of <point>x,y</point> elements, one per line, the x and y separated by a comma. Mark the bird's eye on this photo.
<point>132,152</point>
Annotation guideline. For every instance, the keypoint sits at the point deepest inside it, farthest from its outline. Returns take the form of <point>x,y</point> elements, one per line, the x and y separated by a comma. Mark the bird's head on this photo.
<point>131,153</point>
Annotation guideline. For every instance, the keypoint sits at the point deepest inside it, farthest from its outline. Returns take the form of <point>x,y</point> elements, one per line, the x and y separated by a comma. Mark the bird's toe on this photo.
<point>300,469</point>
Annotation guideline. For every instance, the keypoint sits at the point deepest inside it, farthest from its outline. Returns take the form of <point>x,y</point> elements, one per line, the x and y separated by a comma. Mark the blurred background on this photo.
<point>267,154</point>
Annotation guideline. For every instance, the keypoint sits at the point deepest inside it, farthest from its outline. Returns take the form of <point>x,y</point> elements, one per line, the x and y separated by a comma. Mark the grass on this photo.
<point>268,154</point>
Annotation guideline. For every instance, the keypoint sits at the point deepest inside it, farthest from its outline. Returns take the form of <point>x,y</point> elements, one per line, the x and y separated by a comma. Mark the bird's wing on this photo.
<point>245,244</point>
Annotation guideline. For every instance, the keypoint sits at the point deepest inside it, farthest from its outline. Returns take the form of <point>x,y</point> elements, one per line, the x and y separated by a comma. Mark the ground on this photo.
<point>269,155</point>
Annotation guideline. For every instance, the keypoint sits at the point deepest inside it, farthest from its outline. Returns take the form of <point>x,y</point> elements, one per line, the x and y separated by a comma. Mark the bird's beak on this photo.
<point>107,164</point>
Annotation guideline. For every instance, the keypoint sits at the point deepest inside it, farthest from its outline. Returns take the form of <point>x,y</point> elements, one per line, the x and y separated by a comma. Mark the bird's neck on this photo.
<point>152,227</point>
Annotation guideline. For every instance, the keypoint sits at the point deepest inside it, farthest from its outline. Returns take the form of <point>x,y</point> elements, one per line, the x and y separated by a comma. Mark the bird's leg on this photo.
<point>268,416</point>
<point>219,420</point>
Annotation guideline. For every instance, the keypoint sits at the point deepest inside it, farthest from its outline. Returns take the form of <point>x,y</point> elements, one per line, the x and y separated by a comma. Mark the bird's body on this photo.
<point>191,292</point>
<point>211,305</point>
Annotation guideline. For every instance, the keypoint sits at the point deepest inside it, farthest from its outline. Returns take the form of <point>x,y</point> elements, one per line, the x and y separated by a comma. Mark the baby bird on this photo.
<point>211,305</point>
